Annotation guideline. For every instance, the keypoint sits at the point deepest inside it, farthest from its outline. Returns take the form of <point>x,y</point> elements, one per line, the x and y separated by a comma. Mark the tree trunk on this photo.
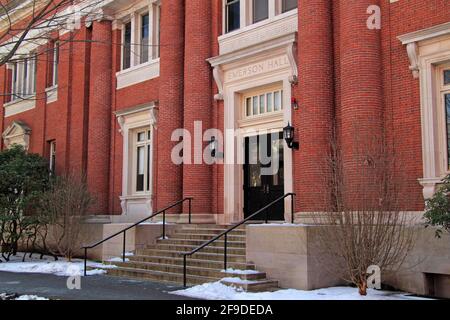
<point>362,287</point>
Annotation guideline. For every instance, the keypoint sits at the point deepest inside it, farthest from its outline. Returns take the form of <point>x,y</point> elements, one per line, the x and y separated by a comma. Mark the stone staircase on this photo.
<point>163,261</point>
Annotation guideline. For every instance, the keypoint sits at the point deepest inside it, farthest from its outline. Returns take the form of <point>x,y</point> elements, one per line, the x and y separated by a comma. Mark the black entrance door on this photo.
<point>264,175</point>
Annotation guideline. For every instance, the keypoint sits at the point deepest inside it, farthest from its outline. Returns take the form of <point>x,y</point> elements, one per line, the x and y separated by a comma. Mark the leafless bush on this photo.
<point>365,225</point>
<point>67,205</point>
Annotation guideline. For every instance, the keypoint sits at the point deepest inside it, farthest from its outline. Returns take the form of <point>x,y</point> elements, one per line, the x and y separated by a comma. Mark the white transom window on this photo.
<point>241,13</point>
<point>263,103</point>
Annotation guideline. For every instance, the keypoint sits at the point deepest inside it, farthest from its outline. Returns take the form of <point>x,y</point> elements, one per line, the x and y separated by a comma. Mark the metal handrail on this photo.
<point>163,211</point>
<point>225,233</point>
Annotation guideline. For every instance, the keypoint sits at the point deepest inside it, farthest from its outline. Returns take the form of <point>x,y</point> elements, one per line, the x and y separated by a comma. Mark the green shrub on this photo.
<point>437,212</point>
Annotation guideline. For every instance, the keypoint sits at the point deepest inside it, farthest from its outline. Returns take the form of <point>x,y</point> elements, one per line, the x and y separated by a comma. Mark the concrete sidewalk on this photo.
<point>92,287</point>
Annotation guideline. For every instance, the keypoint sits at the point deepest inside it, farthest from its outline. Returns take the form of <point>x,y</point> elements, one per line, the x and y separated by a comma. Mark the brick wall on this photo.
<point>352,80</point>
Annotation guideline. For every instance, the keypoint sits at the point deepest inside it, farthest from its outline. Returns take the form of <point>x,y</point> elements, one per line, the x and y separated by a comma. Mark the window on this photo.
<point>52,157</point>
<point>239,14</point>
<point>23,77</point>
<point>445,96</point>
<point>156,30</point>
<point>55,64</point>
<point>264,103</point>
<point>288,5</point>
<point>140,36</point>
<point>126,63</point>
<point>142,160</point>
<point>145,31</point>
<point>260,10</point>
<point>233,15</point>
<point>446,77</point>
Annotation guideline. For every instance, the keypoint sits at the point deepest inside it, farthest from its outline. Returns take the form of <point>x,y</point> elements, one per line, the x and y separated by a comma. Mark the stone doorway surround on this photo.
<point>270,63</point>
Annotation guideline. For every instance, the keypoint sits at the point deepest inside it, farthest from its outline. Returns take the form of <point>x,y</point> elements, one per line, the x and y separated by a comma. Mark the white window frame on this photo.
<point>148,154</point>
<point>52,156</point>
<point>135,17</point>
<point>251,95</point>
<point>23,87</point>
<point>246,13</point>
<point>442,90</point>
<point>55,69</point>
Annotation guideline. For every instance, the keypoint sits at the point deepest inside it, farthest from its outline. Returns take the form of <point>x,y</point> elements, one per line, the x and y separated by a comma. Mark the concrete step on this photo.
<point>252,285</point>
<point>199,255</point>
<point>211,231</point>
<point>180,248</point>
<point>158,276</point>
<point>205,237</point>
<point>195,271</point>
<point>194,261</point>
<point>211,226</point>
<point>199,242</point>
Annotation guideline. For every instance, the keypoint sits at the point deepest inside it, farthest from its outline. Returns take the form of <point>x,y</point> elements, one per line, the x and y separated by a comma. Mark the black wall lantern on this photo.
<point>289,133</point>
<point>213,145</point>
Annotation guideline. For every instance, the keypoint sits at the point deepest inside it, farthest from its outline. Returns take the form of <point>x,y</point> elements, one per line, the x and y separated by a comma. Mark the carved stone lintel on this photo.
<point>290,51</point>
<point>121,121</point>
<point>218,78</point>
<point>413,54</point>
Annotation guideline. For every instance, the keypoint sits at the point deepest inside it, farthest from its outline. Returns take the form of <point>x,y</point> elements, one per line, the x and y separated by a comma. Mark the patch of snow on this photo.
<point>219,291</point>
<point>238,280</point>
<point>118,259</point>
<point>129,254</point>
<point>30,297</point>
<point>238,271</point>
<point>6,296</point>
<point>164,238</point>
<point>154,223</point>
<point>48,265</point>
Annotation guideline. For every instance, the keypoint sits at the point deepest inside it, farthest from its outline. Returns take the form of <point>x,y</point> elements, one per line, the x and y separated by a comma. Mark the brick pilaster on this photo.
<point>197,178</point>
<point>169,175</point>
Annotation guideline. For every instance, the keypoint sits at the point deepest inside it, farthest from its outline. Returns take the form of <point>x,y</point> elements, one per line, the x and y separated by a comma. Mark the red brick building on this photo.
<point>108,104</point>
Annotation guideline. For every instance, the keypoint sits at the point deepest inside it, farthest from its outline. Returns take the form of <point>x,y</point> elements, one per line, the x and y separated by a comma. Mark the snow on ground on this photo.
<point>5,296</point>
<point>30,297</point>
<point>219,291</point>
<point>237,271</point>
<point>48,265</point>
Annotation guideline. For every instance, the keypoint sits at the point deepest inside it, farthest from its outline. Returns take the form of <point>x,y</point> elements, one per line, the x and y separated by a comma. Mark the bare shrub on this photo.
<point>365,225</point>
<point>66,205</point>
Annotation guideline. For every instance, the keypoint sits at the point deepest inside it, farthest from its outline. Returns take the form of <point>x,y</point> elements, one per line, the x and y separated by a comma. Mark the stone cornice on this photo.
<point>425,34</point>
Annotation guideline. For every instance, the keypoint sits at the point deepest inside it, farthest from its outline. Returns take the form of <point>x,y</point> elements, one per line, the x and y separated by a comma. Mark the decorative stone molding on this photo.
<point>154,116</point>
<point>121,121</point>
<point>280,48</point>
<point>429,187</point>
<point>258,33</point>
<point>290,51</point>
<point>19,106</point>
<point>51,94</point>
<point>413,55</point>
<point>138,74</point>
<point>411,40</point>
<point>218,77</point>
<point>428,50</point>
<point>17,133</point>
<point>142,116</point>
